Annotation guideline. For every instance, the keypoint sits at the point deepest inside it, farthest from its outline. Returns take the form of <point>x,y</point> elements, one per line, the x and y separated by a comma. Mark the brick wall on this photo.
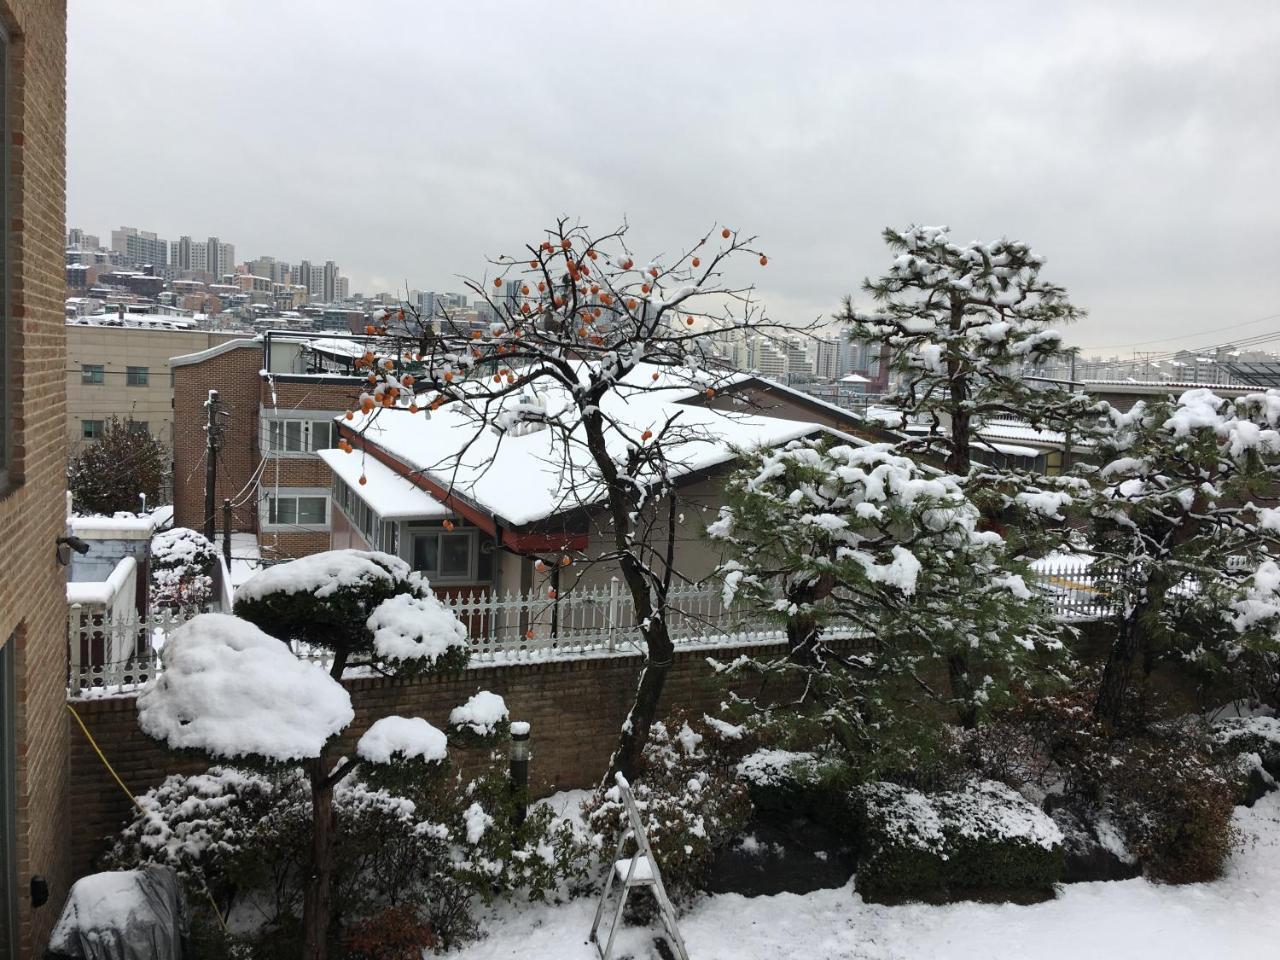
<point>234,374</point>
<point>33,510</point>
<point>576,708</point>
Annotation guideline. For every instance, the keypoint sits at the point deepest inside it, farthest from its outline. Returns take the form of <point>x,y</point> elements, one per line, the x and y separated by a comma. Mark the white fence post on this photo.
<point>612,614</point>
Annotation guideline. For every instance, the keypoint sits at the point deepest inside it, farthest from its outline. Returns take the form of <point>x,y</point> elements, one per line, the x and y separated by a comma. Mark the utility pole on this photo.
<point>1066,432</point>
<point>226,533</point>
<point>212,438</point>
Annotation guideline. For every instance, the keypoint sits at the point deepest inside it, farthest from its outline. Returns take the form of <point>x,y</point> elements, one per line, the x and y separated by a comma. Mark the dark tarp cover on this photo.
<point>124,915</point>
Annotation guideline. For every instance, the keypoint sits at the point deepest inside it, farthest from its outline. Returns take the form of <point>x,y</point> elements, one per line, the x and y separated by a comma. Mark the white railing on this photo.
<point>116,656</point>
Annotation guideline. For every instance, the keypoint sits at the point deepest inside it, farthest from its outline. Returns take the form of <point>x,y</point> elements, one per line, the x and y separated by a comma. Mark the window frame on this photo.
<point>268,494</point>
<point>131,373</point>
<point>438,533</point>
<point>93,374</point>
<point>304,420</point>
<point>97,434</point>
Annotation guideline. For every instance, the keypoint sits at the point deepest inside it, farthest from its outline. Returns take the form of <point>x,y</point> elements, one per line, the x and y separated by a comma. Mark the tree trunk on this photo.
<point>317,902</point>
<point>1117,673</point>
<point>626,759</point>
<point>962,688</point>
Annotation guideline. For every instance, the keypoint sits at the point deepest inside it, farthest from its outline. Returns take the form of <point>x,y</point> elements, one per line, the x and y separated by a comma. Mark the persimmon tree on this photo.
<point>232,691</point>
<point>581,324</point>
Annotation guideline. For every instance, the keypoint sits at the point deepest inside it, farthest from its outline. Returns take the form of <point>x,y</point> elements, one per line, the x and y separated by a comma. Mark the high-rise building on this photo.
<point>220,258</point>
<point>329,284</point>
<point>343,289</point>
<point>138,247</point>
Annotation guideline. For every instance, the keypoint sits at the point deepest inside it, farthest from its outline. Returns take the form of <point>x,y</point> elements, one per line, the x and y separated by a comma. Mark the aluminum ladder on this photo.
<point>639,870</point>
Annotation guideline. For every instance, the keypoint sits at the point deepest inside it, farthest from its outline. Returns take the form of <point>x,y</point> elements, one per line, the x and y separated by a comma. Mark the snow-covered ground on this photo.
<point>1131,919</point>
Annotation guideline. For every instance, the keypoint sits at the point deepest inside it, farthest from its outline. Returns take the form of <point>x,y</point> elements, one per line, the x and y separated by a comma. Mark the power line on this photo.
<point>1140,343</point>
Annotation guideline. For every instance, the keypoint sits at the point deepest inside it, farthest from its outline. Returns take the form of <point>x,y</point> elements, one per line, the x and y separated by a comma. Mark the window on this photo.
<point>136,376</point>
<point>445,556</point>
<point>92,429</point>
<point>298,510</point>
<point>92,373</point>
<point>390,538</point>
<point>298,436</point>
<point>140,426</point>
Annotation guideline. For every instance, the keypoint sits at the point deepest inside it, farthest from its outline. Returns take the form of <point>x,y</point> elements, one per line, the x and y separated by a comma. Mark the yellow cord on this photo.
<point>134,800</point>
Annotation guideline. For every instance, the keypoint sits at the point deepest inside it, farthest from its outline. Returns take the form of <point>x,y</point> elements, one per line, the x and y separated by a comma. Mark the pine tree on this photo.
<point>822,530</point>
<point>1181,531</point>
<point>112,474</point>
<point>963,325</point>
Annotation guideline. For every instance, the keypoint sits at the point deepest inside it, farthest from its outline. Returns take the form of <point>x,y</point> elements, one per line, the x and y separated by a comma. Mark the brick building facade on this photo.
<point>266,465</point>
<point>34,820</point>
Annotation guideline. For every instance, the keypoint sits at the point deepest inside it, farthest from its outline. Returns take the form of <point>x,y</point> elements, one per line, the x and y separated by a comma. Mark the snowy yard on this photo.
<point>1131,919</point>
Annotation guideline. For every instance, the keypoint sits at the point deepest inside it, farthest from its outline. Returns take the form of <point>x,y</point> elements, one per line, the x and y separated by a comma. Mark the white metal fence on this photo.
<point>116,656</point>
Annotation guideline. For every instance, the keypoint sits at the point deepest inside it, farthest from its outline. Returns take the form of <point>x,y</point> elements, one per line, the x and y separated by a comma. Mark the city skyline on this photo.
<point>1131,151</point>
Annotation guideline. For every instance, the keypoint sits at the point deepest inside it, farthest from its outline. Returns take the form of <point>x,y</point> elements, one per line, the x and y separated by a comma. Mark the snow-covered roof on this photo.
<point>526,478</point>
<point>855,378</point>
<point>390,495</point>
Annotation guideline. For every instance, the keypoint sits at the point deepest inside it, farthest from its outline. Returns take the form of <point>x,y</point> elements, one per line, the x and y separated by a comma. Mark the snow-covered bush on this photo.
<point>233,692</point>
<point>481,721</point>
<point>182,564</point>
<point>245,836</point>
<point>983,841</point>
<point>692,804</point>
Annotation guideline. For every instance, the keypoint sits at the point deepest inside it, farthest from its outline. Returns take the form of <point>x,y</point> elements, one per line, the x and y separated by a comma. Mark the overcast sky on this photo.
<point>1136,146</point>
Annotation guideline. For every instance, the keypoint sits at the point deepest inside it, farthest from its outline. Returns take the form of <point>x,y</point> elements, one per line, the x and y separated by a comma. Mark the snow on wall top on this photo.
<point>531,476</point>
<point>230,690</point>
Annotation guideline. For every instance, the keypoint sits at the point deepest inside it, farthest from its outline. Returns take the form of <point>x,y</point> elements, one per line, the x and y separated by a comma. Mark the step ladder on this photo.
<point>639,870</point>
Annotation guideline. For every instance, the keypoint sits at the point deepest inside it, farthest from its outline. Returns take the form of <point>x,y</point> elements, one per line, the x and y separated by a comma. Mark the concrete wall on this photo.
<point>33,505</point>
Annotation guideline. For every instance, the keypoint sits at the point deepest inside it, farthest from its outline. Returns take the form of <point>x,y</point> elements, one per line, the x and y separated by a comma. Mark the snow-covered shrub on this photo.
<point>182,563</point>
<point>691,801</point>
<point>1174,802</point>
<point>984,841</point>
<point>246,837</point>
<point>480,722</point>
<point>361,605</point>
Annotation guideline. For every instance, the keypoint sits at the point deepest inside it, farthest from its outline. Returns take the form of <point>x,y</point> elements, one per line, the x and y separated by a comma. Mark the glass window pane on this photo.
<point>455,555</point>
<point>425,553</point>
<point>311,510</point>
<point>274,432</point>
<point>293,435</point>
<point>286,510</point>
<point>320,439</point>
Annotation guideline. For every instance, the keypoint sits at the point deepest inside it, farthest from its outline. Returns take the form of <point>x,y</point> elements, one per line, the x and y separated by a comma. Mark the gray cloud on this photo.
<point>1135,145</point>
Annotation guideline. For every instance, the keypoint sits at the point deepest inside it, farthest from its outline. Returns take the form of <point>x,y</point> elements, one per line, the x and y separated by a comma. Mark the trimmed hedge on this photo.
<point>984,842</point>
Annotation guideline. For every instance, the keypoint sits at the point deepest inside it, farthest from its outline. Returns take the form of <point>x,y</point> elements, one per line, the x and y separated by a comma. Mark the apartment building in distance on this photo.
<point>123,371</point>
<point>34,736</point>
<point>280,392</point>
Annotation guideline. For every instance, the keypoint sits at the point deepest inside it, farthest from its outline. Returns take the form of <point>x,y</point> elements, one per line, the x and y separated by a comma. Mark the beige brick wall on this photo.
<point>32,511</point>
<point>117,349</point>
